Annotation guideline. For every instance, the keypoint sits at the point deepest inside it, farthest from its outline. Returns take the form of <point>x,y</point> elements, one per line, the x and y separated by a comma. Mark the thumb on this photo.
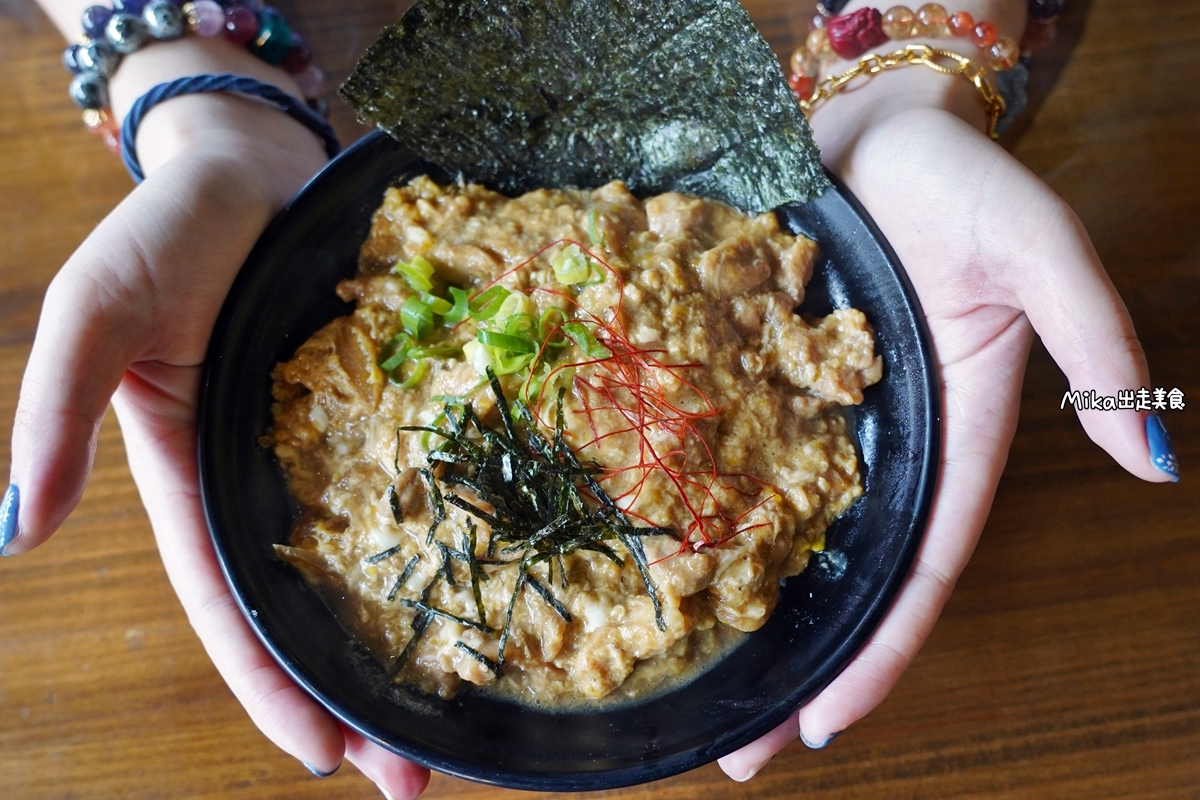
<point>91,328</point>
<point>1086,327</point>
<point>146,284</point>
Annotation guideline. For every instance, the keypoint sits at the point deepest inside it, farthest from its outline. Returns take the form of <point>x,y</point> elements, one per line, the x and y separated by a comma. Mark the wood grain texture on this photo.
<point>1066,665</point>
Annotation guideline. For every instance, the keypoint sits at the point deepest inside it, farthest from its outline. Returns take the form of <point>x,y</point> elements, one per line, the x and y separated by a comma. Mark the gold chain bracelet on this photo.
<point>872,64</point>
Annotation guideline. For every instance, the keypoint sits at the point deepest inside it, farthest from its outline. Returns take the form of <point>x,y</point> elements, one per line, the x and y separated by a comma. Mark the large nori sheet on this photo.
<point>679,95</point>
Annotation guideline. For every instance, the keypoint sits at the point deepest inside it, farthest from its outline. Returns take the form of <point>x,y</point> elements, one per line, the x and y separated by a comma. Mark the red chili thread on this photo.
<point>629,371</point>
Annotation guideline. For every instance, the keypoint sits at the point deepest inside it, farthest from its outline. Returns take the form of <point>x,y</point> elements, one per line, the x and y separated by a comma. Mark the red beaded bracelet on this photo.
<point>850,35</point>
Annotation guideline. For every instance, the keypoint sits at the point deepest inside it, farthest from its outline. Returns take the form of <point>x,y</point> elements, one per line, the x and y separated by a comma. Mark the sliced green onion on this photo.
<point>533,384</point>
<point>521,325</point>
<point>416,317</point>
<point>592,218</point>
<point>505,341</point>
<point>515,304</point>
<point>507,365</point>
<point>571,266</point>
<point>418,273</point>
<point>478,355</point>
<point>418,372</point>
<point>424,266</point>
<point>552,318</point>
<point>485,305</point>
<point>596,281</point>
<point>500,360</point>
<point>578,333</point>
<point>398,358</point>
<point>436,304</point>
<point>402,343</point>
<point>461,308</point>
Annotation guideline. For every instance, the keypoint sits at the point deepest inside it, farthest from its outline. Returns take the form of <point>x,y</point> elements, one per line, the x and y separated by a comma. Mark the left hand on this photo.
<point>131,312</point>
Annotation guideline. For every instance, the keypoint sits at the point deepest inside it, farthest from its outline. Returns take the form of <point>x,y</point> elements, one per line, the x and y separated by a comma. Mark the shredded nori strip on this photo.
<point>420,623</point>
<point>667,95</point>
<point>408,568</point>
<point>478,512</point>
<point>395,590</point>
<point>404,576</point>
<point>446,568</point>
<point>558,607</point>
<point>435,501</point>
<point>634,546</point>
<point>391,551</point>
<point>538,491</point>
<point>502,407</point>
<point>421,605</point>
<point>491,548</point>
<point>557,524</point>
<point>539,511</point>
<point>481,658</point>
<point>394,503</point>
<point>457,555</point>
<point>512,604</point>
<point>477,575</point>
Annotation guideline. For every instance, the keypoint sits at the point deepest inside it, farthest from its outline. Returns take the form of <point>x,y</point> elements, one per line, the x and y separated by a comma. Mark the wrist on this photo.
<point>870,102</point>
<point>205,122</point>
<point>238,137</point>
<point>244,168</point>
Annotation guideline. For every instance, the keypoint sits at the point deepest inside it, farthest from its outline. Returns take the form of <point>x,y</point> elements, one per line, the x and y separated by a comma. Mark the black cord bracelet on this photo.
<point>241,84</point>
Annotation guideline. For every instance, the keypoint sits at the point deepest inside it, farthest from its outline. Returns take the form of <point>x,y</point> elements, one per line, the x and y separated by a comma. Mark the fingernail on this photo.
<point>386,794</point>
<point>1162,454</point>
<point>819,745</point>
<point>9,509</point>
<point>318,772</point>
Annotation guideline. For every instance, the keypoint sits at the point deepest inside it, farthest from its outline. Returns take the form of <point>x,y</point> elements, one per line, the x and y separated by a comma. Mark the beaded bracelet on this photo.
<point>851,35</point>
<point>111,33</point>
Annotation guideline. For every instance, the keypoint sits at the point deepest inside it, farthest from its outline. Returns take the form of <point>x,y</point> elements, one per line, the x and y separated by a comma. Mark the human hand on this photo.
<point>131,312</point>
<point>995,256</point>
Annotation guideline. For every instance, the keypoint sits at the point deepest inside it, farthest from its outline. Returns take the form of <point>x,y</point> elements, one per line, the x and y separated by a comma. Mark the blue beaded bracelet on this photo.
<point>240,84</point>
<point>129,25</point>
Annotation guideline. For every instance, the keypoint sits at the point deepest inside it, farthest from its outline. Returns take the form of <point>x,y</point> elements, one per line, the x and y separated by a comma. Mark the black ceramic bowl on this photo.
<point>285,293</point>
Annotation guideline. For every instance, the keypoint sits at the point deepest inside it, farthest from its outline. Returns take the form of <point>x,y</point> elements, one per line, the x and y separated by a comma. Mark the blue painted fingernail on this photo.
<point>1162,454</point>
<point>9,509</point>
<point>318,772</point>
<point>819,745</point>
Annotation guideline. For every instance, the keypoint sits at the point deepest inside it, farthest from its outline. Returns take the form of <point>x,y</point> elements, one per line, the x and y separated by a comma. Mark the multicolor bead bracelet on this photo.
<point>111,33</point>
<point>848,36</point>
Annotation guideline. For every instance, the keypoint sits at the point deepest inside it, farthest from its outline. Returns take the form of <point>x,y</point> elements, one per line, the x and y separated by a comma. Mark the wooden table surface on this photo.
<point>1067,663</point>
